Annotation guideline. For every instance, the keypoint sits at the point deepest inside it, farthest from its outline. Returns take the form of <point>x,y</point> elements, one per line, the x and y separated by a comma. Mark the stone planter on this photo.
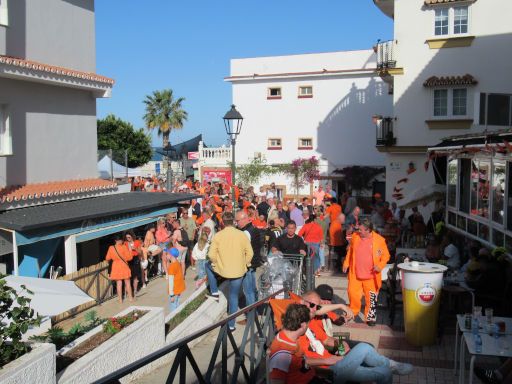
<point>37,366</point>
<point>139,339</point>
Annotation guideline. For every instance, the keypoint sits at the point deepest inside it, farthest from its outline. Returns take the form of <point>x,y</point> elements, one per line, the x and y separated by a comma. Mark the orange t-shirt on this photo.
<point>333,211</point>
<point>312,232</point>
<point>120,269</point>
<point>364,259</point>
<point>174,271</point>
<point>286,361</point>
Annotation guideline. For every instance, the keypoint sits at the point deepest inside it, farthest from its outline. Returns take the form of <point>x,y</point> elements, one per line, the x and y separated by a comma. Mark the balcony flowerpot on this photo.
<point>37,366</point>
<point>139,339</point>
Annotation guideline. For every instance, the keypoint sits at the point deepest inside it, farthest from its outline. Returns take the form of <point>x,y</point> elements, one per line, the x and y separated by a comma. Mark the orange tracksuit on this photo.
<point>369,287</point>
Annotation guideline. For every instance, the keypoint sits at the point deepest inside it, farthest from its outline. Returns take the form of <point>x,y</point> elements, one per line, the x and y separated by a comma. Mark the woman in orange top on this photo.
<point>120,256</point>
<point>313,235</point>
<point>135,247</point>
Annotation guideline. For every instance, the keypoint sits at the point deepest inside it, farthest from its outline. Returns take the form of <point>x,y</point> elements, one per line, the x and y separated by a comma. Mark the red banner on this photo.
<point>221,176</point>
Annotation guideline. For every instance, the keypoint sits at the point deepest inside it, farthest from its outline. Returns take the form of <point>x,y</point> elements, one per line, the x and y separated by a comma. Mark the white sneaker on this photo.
<point>143,286</point>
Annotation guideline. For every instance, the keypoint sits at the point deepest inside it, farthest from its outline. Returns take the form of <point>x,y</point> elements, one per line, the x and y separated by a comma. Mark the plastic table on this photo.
<point>501,347</point>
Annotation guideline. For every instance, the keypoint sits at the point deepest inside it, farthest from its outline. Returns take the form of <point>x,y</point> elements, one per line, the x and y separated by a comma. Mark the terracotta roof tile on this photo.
<point>434,2</point>
<point>54,188</point>
<point>22,63</point>
<point>435,81</point>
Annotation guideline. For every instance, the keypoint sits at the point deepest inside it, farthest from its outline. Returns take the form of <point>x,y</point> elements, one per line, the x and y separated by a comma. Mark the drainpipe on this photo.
<point>15,254</point>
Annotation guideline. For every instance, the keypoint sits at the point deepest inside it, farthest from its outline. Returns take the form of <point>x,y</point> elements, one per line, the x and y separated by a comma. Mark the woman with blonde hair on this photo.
<point>199,254</point>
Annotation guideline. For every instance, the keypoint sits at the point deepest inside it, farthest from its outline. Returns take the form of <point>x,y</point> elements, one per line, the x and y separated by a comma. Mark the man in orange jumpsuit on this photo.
<point>366,257</point>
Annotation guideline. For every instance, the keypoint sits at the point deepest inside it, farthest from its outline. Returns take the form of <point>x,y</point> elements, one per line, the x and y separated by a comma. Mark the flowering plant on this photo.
<point>114,324</point>
<point>302,171</point>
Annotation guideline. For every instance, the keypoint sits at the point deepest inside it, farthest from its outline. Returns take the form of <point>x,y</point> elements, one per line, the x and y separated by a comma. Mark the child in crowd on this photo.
<point>199,254</point>
<point>176,282</point>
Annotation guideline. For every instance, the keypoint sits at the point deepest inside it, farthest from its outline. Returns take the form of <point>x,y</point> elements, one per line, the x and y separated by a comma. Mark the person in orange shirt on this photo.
<point>336,241</point>
<point>120,255</point>
<point>366,257</point>
<point>134,246</point>
<point>175,279</point>
<point>260,222</point>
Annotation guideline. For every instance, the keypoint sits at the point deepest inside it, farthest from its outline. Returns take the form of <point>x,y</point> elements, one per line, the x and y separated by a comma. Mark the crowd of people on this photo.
<point>227,234</point>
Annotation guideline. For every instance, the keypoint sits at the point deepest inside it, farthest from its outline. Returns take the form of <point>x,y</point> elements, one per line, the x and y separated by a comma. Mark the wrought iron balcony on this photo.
<point>384,129</point>
<point>385,54</point>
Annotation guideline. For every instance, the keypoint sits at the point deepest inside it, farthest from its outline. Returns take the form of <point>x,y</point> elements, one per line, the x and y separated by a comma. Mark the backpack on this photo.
<point>185,241</point>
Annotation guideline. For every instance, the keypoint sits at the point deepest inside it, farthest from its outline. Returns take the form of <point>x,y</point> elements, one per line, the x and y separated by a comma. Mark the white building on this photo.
<point>300,106</point>
<point>449,68</point>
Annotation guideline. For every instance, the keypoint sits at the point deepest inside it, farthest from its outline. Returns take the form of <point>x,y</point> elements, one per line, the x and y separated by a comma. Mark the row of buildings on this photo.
<point>402,104</point>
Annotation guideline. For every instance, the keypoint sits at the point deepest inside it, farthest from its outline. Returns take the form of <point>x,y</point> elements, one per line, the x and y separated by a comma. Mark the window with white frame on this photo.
<point>274,143</point>
<point>450,102</point>
<point>5,132</point>
<point>306,91</point>
<point>451,21</point>
<point>305,142</point>
<point>4,19</point>
<point>274,93</point>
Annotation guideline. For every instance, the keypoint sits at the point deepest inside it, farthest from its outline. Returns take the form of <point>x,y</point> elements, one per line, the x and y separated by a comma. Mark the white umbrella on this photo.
<point>50,297</point>
<point>423,195</point>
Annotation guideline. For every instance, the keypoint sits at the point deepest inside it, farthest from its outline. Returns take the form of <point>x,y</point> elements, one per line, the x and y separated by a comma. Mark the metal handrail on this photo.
<point>265,333</point>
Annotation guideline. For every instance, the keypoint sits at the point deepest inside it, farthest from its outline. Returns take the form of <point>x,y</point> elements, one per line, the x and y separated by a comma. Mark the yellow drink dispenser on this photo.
<point>421,291</point>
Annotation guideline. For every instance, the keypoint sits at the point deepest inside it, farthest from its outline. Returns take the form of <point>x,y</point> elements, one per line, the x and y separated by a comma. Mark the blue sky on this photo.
<point>187,45</point>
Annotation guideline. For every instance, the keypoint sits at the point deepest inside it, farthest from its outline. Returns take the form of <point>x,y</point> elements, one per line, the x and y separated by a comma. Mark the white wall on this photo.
<point>488,59</point>
<point>337,117</point>
<point>37,366</point>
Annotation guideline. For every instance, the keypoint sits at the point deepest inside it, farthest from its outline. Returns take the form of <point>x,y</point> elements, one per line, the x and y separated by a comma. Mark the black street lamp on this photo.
<point>233,122</point>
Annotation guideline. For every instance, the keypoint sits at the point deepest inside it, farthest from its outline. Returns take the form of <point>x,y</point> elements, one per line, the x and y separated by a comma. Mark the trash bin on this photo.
<point>421,291</point>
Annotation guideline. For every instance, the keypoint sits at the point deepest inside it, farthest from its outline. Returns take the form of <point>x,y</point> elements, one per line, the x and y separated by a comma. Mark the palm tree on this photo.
<point>164,112</point>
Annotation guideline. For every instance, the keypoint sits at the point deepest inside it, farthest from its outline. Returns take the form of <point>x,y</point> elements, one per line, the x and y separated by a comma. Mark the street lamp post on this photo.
<point>233,122</point>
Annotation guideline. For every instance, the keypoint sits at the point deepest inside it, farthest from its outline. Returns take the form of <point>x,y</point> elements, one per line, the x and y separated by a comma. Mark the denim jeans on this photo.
<point>201,268</point>
<point>314,252</point>
<point>321,254</point>
<point>249,287</point>
<point>351,369</point>
<point>174,304</point>
<point>234,290</point>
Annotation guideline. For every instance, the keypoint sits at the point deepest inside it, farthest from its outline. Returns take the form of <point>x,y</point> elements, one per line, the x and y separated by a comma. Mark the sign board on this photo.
<point>193,155</point>
<point>217,175</point>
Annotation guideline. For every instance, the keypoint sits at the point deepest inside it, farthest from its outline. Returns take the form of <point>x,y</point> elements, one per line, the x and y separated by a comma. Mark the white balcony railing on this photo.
<point>220,156</point>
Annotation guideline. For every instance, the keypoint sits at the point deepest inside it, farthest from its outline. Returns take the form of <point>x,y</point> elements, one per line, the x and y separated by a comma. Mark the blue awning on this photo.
<point>91,229</point>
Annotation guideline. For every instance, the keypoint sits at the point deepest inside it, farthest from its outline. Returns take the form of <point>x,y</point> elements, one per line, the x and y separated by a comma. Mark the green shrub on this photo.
<point>16,317</point>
